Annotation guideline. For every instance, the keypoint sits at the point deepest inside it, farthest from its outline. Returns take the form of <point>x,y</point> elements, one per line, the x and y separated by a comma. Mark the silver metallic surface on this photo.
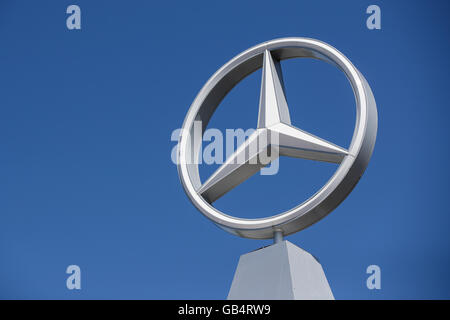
<point>274,121</point>
<point>281,271</point>
<point>277,236</point>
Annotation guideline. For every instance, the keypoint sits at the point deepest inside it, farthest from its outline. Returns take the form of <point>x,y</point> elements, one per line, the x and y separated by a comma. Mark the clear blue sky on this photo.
<point>85,125</point>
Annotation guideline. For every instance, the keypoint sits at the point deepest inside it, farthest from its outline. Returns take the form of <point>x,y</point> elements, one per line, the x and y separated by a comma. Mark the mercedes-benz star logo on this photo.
<point>274,121</point>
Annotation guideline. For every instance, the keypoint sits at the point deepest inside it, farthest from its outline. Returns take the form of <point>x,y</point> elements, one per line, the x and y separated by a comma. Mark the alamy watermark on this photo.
<point>237,146</point>
<point>374,20</point>
<point>74,280</point>
<point>73,22</point>
<point>374,280</point>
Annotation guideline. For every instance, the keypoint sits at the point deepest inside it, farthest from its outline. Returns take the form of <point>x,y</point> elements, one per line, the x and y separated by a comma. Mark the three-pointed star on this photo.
<point>273,120</point>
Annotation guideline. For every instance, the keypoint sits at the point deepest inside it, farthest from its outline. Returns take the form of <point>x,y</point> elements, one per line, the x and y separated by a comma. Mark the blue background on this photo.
<point>85,127</point>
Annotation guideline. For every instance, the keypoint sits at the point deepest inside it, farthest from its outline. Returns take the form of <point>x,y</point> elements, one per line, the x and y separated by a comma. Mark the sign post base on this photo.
<point>281,271</point>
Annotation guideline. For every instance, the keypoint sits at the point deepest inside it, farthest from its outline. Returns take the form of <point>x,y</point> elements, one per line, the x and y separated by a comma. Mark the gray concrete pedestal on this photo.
<point>281,271</point>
